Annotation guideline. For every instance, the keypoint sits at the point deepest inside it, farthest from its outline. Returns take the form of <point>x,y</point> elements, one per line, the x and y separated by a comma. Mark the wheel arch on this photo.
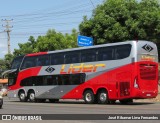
<point>22,90</point>
<point>30,90</point>
<point>91,89</point>
<point>100,89</point>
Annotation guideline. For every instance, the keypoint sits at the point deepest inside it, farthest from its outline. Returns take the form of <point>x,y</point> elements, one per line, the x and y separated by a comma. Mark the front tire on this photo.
<point>103,97</point>
<point>89,97</point>
<point>22,96</point>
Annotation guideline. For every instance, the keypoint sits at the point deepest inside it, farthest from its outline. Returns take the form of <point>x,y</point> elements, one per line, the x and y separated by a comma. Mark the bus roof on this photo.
<point>82,48</point>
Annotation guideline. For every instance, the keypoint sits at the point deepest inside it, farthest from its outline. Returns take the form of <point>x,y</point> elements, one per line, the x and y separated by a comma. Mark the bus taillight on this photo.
<point>136,82</point>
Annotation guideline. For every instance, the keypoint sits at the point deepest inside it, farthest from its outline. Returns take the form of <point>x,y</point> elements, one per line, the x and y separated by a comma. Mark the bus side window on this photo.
<point>122,51</point>
<point>105,53</point>
<point>72,57</point>
<point>57,59</point>
<point>42,60</point>
<point>28,62</point>
<point>88,56</point>
<point>51,80</point>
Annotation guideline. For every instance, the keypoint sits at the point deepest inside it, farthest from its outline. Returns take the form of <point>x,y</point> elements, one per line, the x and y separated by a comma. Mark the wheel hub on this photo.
<point>88,97</point>
<point>103,96</point>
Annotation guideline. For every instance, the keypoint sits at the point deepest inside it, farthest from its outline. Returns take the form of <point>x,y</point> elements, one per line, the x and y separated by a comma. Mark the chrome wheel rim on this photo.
<point>32,96</point>
<point>22,96</point>
<point>88,97</point>
<point>103,97</point>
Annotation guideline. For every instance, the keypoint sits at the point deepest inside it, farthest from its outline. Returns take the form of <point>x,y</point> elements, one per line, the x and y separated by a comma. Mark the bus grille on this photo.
<point>147,72</point>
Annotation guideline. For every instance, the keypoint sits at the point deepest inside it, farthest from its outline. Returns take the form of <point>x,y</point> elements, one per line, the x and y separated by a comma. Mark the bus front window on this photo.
<point>16,62</point>
<point>11,81</point>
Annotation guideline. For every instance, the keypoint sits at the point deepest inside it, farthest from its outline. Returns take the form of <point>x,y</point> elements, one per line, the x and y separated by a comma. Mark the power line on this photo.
<point>54,12</point>
<point>92,4</point>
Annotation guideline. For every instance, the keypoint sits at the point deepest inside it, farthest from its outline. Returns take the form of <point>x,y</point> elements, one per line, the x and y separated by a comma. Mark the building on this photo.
<point>3,83</point>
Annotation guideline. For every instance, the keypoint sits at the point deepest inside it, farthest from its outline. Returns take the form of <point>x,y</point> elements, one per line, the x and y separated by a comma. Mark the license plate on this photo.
<point>148,95</point>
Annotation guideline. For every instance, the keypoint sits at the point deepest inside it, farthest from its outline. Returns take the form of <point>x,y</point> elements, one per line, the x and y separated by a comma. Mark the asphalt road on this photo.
<point>78,107</point>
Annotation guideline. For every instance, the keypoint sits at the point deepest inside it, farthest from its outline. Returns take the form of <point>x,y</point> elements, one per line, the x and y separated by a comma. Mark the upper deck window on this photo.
<point>16,62</point>
<point>122,51</point>
<point>72,57</point>
<point>42,60</point>
<point>29,62</point>
<point>106,53</point>
<point>88,55</point>
<point>57,58</point>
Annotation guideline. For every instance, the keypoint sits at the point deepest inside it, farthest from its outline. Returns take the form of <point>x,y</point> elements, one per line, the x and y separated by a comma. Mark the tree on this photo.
<point>5,63</point>
<point>120,20</point>
<point>56,41</point>
<point>25,48</point>
<point>8,60</point>
<point>51,41</point>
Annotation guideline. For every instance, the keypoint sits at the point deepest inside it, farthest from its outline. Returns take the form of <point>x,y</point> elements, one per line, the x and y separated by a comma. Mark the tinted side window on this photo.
<point>106,53</point>
<point>42,60</point>
<point>67,79</point>
<point>122,51</point>
<point>28,62</point>
<point>57,59</point>
<point>88,55</point>
<point>27,82</point>
<point>76,79</point>
<point>50,80</point>
<point>72,57</point>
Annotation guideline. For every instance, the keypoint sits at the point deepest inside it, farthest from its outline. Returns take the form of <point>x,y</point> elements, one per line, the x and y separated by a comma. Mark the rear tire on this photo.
<point>103,97</point>
<point>31,96</point>
<point>89,97</point>
<point>22,96</point>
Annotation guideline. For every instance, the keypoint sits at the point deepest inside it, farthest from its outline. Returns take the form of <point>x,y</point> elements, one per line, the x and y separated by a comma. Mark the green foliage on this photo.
<point>51,41</point>
<point>120,20</point>
<point>25,48</point>
<point>6,62</point>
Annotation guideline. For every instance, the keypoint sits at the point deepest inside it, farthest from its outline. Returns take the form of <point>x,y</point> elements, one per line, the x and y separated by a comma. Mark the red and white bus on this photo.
<point>98,74</point>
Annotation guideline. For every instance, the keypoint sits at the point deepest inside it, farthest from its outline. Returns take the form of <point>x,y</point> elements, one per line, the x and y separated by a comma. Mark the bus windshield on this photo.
<point>16,62</point>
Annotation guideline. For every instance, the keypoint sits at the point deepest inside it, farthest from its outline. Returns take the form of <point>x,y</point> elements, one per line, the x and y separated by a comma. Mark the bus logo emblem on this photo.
<point>50,69</point>
<point>147,48</point>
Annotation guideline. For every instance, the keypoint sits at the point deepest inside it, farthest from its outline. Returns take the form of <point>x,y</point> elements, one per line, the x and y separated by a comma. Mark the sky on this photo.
<point>35,17</point>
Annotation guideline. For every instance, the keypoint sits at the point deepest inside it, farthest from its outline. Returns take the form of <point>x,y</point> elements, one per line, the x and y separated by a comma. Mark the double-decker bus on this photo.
<point>98,74</point>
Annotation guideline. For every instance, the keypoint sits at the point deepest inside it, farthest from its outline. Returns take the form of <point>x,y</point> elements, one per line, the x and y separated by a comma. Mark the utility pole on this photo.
<point>7,26</point>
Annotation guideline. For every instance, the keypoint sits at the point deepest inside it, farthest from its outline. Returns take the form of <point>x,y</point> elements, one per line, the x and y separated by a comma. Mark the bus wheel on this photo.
<point>53,100</point>
<point>126,101</point>
<point>32,96</point>
<point>22,96</point>
<point>89,97</point>
<point>103,97</point>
